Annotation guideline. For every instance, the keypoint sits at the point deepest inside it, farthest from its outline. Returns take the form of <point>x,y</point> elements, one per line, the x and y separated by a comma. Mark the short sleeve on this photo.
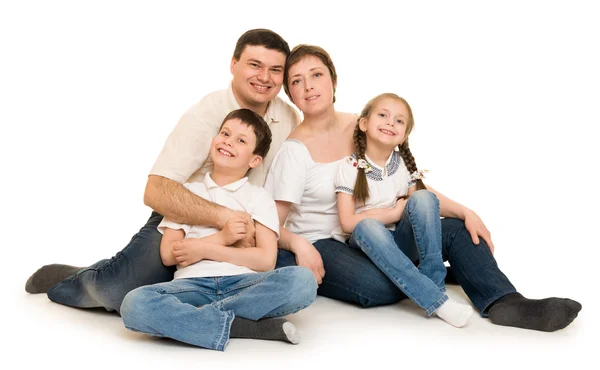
<point>165,223</point>
<point>346,176</point>
<point>265,211</point>
<point>188,145</point>
<point>287,176</point>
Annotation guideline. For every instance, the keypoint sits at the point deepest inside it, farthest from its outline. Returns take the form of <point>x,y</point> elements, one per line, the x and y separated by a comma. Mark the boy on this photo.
<point>216,286</point>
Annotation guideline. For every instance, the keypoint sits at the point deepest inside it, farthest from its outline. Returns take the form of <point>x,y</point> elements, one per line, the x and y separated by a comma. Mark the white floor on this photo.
<point>43,334</point>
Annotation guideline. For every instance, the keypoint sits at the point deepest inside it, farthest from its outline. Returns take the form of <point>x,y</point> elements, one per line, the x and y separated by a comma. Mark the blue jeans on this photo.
<point>105,283</point>
<point>425,285</point>
<point>199,311</point>
<point>351,276</point>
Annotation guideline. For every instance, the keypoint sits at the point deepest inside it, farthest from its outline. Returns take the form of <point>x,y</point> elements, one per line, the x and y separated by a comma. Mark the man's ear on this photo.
<point>255,161</point>
<point>233,63</point>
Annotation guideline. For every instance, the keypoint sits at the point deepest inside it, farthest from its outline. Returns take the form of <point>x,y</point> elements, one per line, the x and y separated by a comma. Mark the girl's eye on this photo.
<point>242,141</point>
<point>400,122</point>
<point>381,115</point>
<point>295,82</point>
<point>224,133</point>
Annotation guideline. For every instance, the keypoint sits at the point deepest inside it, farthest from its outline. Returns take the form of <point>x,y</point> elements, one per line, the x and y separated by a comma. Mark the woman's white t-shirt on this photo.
<point>294,177</point>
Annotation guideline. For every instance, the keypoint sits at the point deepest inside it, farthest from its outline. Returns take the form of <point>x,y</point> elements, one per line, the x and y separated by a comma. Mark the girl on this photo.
<point>372,187</point>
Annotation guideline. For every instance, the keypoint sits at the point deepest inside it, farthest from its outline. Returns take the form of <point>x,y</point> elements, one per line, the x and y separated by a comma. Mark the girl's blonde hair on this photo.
<point>361,187</point>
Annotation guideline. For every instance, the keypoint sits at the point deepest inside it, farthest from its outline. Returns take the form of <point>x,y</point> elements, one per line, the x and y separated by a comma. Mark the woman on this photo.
<point>301,180</point>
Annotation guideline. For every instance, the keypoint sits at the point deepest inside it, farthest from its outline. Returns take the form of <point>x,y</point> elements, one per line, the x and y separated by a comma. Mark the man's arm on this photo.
<point>172,200</point>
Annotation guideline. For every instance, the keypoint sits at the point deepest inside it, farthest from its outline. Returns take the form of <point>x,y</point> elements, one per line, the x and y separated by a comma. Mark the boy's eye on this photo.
<point>276,70</point>
<point>318,74</point>
<point>242,141</point>
<point>224,133</point>
<point>400,121</point>
<point>381,115</point>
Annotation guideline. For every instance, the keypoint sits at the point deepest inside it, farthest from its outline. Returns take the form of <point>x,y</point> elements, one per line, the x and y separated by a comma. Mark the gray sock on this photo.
<point>48,276</point>
<point>548,314</point>
<point>267,329</point>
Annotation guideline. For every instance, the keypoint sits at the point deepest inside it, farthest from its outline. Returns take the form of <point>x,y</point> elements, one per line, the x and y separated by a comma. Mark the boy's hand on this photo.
<point>249,240</point>
<point>236,228</point>
<point>188,251</point>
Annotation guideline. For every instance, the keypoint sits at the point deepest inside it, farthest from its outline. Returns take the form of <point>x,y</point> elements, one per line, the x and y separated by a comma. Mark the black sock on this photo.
<point>547,314</point>
<point>268,329</point>
<point>450,278</point>
<point>48,276</point>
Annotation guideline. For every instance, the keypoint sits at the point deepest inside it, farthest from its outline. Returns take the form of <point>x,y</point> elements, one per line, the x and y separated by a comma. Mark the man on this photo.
<point>257,67</point>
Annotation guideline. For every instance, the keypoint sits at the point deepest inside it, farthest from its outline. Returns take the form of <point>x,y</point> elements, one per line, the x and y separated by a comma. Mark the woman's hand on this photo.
<point>308,256</point>
<point>477,228</point>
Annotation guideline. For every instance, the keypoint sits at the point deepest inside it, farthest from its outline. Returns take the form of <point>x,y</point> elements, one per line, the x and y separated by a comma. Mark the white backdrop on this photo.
<point>505,97</point>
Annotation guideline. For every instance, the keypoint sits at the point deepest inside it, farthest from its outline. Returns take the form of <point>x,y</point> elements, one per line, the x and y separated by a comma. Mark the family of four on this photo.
<point>255,213</point>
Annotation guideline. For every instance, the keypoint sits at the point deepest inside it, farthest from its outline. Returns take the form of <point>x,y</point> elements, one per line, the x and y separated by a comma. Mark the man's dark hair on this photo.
<point>261,37</point>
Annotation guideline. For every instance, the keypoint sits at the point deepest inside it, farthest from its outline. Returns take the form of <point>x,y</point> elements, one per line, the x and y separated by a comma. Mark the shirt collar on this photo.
<point>386,162</point>
<point>234,186</point>
<point>271,115</point>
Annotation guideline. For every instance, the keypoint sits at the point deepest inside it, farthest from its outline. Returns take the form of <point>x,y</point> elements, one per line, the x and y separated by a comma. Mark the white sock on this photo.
<point>454,313</point>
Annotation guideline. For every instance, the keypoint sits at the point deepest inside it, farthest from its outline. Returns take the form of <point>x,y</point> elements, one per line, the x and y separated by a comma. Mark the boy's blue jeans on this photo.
<point>199,311</point>
<point>425,285</point>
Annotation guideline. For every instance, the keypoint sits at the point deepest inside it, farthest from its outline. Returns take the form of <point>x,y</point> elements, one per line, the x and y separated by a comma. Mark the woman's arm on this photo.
<point>306,253</point>
<point>473,223</point>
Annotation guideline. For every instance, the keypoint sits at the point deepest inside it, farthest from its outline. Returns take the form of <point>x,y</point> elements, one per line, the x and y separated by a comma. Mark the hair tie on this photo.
<point>418,175</point>
<point>364,165</point>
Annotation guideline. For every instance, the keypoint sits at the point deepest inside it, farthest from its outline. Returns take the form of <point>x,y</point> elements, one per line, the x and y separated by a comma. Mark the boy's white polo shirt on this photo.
<point>238,196</point>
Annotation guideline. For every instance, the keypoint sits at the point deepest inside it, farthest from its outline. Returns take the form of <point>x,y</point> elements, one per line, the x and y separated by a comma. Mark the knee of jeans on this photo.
<point>369,225</point>
<point>423,197</point>
<point>134,305</point>
<point>303,286</point>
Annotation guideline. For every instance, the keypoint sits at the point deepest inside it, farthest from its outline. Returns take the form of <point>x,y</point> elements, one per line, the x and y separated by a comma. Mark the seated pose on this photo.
<point>301,181</point>
<point>372,186</point>
<point>216,284</point>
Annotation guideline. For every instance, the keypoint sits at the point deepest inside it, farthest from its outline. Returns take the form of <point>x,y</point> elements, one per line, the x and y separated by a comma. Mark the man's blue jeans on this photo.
<point>423,285</point>
<point>351,276</point>
<point>105,283</point>
<point>199,311</point>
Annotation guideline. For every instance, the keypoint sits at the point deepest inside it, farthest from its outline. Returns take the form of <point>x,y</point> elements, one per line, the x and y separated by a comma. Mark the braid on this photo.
<point>409,161</point>
<point>361,187</point>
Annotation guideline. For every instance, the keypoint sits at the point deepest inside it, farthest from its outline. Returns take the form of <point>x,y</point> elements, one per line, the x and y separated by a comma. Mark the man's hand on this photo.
<point>308,256</point>
<point>476,228</point>
<point>236,228</point>
<point>188,251</point>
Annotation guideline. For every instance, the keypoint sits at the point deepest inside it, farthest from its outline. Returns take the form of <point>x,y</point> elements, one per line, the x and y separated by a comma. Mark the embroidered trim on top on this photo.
<point>344,189</point>
<point>391,168</point>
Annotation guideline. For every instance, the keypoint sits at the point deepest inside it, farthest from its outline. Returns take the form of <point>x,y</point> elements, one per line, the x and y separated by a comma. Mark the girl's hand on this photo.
<point>308,256</point>
<point>400,206</point>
